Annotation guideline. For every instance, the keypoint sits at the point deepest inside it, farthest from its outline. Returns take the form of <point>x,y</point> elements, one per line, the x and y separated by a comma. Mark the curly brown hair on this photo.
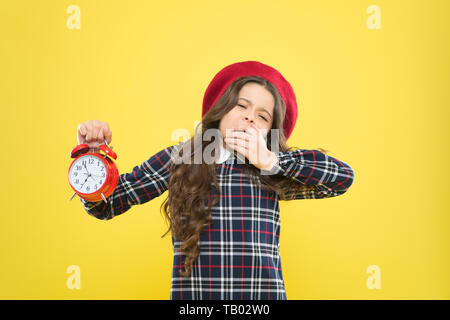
<point>188,204</point>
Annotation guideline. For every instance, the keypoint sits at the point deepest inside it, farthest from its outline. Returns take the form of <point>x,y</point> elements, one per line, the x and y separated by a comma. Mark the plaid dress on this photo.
<point>239,252</point>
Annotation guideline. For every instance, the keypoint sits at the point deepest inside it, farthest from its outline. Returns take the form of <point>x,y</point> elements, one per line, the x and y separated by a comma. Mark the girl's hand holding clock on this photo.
<point>93,181</point>
<point>94,133</point>
<point>252,145</point>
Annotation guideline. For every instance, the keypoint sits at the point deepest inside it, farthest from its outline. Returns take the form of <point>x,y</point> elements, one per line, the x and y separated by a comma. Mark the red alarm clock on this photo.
<point>93,175</point>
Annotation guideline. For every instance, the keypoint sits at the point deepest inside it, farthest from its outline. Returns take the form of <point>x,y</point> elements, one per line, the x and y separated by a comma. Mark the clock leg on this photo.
<point>103,196</point>
<point>72,196</point>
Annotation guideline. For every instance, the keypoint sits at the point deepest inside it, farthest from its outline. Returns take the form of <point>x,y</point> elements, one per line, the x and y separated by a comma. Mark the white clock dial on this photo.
<point>87,174</point>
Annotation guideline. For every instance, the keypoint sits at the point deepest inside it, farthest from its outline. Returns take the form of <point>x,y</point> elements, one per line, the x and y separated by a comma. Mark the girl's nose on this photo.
<point>247,118</point>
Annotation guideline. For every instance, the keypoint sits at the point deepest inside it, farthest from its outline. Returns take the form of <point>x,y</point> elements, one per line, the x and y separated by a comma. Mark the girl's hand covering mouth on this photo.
<point>251,144</point>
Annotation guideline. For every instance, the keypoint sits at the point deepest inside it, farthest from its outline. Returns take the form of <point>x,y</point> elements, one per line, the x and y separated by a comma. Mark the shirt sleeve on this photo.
<point>148,180</point>
<point>327,176</point>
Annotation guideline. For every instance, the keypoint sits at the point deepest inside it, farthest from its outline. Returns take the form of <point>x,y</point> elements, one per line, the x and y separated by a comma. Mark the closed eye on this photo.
<point>240,105</point>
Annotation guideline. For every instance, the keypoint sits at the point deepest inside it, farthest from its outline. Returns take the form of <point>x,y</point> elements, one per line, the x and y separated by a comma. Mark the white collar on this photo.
<point>224,154</point>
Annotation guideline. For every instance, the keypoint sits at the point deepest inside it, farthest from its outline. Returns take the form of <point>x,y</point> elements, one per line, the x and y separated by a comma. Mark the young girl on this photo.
<point>224,215</point>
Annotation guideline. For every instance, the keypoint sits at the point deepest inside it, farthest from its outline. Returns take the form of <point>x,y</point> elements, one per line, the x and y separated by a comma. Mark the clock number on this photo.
<point>103,175</point>
<point>83,162</point>
<point>91,161</point>
<point>77,181</point>
<point>87,188</point>
<point>100,182</point>
<point>78,167</point>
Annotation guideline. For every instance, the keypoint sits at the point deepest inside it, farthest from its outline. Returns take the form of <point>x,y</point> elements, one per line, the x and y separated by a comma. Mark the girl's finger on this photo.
<point>238,134</point>
<point>238,141</point>
<point>234,144</point>
<point>247,138</point>
<point>241,150</point>
<point>253,130</point>
<point>108,135</point>
<point>92,135</point>
<point>81,133</point>
<point>100,137</point>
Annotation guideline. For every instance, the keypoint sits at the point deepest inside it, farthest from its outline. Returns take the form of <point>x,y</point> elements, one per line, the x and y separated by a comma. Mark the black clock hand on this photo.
<point>86,168</point>
<point>95,175</point>
<point>89,175</point>
<point>84,182</point>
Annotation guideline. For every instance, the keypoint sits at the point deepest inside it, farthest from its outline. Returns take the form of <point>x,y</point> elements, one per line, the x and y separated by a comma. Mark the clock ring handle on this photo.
<point>106,142</point>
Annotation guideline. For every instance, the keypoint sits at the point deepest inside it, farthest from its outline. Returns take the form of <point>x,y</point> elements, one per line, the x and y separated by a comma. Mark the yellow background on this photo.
<point>377,99</point>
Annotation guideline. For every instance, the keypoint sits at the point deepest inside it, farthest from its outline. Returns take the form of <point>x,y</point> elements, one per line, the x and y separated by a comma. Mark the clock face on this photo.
<point>87,174</point>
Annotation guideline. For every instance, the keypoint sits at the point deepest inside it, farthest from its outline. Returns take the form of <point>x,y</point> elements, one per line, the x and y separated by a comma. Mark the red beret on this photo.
<point>228,74</point>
